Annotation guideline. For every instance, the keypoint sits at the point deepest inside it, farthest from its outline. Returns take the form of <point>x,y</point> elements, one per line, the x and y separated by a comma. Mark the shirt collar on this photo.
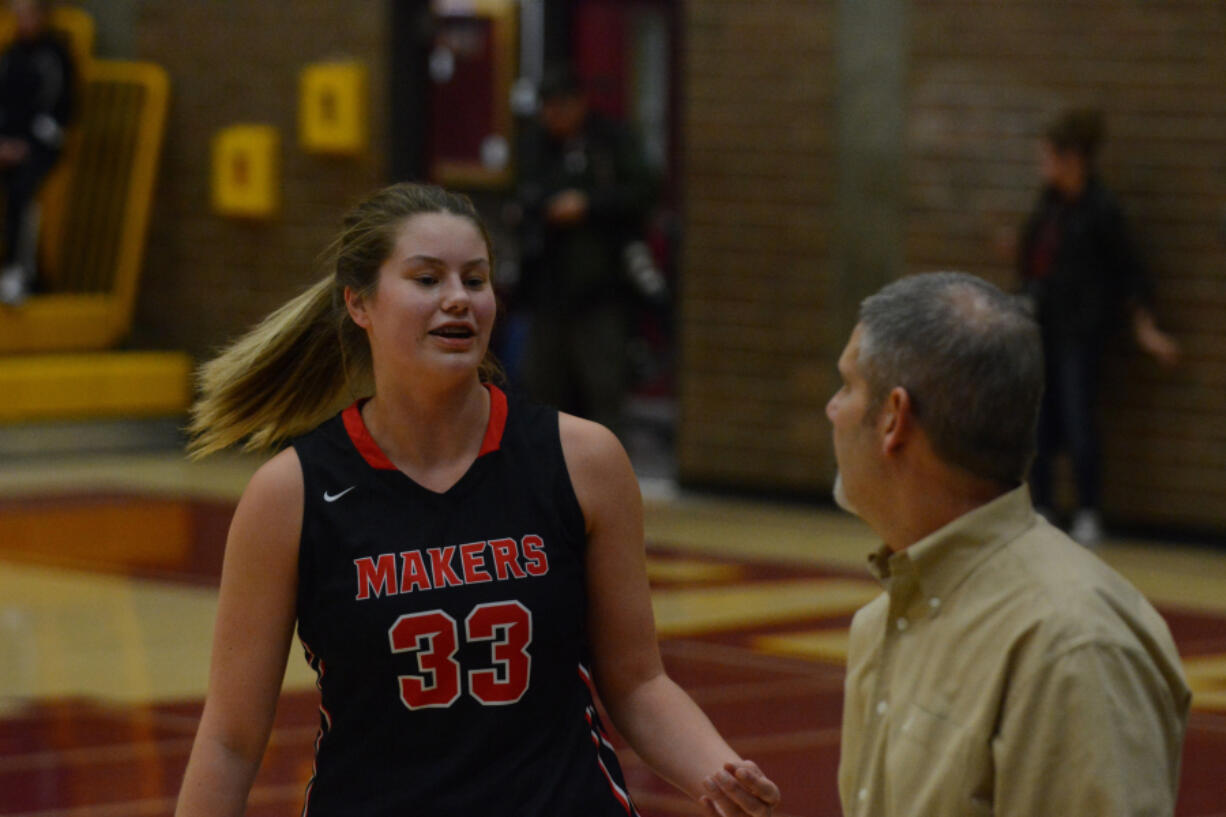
<point>943,558</point>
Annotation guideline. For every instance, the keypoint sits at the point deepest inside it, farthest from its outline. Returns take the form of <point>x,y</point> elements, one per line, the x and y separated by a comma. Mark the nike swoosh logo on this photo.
<point>333,497</point>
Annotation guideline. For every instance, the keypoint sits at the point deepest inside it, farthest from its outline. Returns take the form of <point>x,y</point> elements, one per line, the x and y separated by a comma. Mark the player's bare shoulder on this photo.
<point>588,444</point>
<point>272,503</point>
<point>279,480</point>
<point>599,467</point>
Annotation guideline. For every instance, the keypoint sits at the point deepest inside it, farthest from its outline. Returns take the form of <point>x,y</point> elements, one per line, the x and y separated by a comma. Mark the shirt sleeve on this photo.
<point>1095,731</point>
<point>1122,257</point>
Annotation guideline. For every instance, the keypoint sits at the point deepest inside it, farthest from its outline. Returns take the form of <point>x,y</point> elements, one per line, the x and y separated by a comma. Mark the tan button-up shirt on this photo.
<point>1006,670</point>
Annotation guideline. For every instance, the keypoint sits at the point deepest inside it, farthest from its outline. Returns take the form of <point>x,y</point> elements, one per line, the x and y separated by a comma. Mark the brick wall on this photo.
<point>759,280</point>
<point>764,300</point>
<point>207,277</point>
<point>757,181</point>
<point>983,79</point>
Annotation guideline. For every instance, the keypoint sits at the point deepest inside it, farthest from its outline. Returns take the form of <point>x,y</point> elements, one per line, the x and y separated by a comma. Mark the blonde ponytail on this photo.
<point>307,360</point>
<point>295,369</point>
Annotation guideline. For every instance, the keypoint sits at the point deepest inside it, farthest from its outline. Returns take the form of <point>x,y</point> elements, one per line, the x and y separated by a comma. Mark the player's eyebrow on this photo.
<point>438,262</point>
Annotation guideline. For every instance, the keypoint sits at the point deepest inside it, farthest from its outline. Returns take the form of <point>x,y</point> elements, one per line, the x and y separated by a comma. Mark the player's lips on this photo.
<point>455,334</point>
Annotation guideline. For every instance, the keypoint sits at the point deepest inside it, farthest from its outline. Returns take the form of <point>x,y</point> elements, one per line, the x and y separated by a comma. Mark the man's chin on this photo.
<point>840,495</point>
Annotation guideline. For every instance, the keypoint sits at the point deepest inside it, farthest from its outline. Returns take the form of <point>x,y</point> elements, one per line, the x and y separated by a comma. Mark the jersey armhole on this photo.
<point>306,558</point>
<point>571,515</point>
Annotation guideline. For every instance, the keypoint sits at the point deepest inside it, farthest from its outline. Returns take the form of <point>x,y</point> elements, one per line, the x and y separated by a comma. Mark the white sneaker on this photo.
<point>14,285</point>
<point>1087,528</point>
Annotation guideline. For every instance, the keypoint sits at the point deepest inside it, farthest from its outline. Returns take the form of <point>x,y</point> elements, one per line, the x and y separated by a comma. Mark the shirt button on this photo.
<point>901,624</point>
<point>881,707</point>
<point>934,602</point>
<point>863,795</point>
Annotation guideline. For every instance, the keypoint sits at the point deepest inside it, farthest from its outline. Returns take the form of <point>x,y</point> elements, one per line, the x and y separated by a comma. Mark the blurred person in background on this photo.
<point>1005,670</point>
<point>464,568</point>
<point>37,78</point>
<point>583,195</point>
<point>1081,270</point>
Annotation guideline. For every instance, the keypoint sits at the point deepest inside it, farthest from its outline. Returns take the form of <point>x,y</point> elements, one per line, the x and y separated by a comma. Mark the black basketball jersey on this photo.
<point>448,631</point>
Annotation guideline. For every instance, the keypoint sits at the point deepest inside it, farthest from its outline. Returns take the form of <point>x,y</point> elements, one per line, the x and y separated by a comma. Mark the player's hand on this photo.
<point>740,789</point>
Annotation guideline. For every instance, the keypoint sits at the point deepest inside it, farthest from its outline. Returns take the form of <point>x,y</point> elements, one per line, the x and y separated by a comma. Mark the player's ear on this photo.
<point>355,304</point>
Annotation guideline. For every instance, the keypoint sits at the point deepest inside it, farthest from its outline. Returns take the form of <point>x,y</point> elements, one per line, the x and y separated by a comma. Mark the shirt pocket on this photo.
<point>920,726</point>
<point>922,761</point>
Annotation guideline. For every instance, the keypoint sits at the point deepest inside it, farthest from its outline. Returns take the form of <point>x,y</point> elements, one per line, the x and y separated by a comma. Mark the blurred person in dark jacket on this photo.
<point>1082,272</point>
<point>37,79</point>
<point>583,196</point>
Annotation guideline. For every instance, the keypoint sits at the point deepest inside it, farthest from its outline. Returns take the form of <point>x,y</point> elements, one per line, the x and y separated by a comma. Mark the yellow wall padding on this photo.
<point>94,385</point>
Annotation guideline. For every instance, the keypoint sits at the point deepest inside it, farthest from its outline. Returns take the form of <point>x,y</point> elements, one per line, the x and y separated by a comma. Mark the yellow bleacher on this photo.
<point>57,357</point>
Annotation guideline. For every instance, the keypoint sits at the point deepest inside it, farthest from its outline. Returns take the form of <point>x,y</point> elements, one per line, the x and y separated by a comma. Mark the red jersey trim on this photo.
<point>599,740</point>
<point>362,441</point>
<point>359,435</point>
<point>498,421</point>
<point>325,723</point>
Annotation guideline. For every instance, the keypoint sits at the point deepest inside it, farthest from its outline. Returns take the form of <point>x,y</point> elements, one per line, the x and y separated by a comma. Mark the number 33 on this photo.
<point>434,637</point>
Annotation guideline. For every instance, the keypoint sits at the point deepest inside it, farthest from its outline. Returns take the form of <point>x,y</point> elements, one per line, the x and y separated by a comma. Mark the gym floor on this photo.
<point>108,572</point>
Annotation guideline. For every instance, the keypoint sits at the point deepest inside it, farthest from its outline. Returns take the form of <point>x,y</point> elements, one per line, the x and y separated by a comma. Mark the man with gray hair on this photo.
<point>1005,670</point>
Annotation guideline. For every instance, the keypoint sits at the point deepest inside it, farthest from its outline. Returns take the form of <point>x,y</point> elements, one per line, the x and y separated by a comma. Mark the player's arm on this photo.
<point>1095,732</point>
<point>251,638</point>
<point>656,716</point>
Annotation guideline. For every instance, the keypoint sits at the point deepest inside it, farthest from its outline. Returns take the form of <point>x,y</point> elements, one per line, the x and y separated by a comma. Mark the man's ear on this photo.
<point>355,304</point>
<point>897,420</point>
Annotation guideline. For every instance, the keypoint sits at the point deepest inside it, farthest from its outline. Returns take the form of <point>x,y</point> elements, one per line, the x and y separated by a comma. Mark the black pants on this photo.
<point>21,185</point>
<point>577,362</point>
<point>1067,420</point>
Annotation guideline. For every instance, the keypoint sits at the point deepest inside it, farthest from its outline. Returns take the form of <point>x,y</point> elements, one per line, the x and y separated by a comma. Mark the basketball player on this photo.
<point>465,569</point>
